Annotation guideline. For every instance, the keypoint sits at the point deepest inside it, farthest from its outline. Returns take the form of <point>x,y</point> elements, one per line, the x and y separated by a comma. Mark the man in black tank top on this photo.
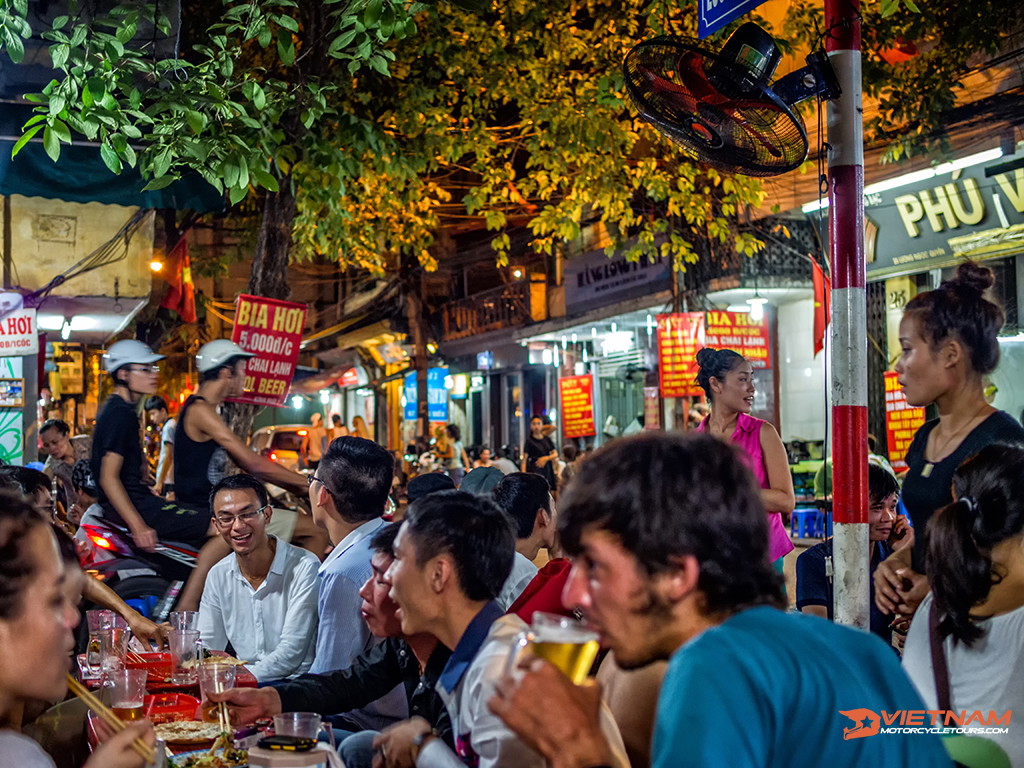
<point>203,444</point>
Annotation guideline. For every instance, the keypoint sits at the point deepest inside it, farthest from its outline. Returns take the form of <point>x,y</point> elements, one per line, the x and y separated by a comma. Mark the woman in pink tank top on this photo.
<point>728,381</point>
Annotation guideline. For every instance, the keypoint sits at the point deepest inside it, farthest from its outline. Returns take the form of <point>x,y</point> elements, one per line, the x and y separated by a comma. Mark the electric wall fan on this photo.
<point>720,105</point>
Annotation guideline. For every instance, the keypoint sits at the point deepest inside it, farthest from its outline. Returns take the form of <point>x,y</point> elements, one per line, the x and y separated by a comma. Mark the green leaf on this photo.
<point>14,45</point>
<point>61,131</point>
<point>51,144</point>
<point>372,13</point>
<point>237,194</point>
<point>110,158</point>
<point>162,162</point>
<point>25,138</point>
<point>196,121</point>
<point>288,23</point>
<point>160,183</point>
<point>57,104</point>
<point>342,42</point>
<point>286,48</point>
<point>264,37</point>
<point>266,180</point>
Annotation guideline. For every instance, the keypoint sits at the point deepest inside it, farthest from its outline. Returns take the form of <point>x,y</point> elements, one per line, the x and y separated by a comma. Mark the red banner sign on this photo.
<point>680,335</point>
<point>738,332</point>
<point>577,406</point>
<point>901,421</point>
<point>272,330</point>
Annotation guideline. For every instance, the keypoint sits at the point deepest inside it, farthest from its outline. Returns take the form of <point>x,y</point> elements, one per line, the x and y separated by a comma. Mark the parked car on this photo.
<point>281,443</point>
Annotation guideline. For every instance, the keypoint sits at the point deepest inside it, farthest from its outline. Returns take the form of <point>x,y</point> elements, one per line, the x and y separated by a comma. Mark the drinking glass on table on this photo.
<point>97,621</point>
<point>215,677</point>
<point>185,649</point>
<point>561,640</point>
<point>113,648</point>
<point>184,619</point>
<point>127,692</point>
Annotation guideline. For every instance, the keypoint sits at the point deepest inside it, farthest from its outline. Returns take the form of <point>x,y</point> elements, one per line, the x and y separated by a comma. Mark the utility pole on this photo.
<point>849,317</point>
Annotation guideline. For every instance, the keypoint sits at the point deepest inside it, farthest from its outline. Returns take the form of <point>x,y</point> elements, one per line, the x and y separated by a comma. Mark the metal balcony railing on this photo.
<point>507,306</point>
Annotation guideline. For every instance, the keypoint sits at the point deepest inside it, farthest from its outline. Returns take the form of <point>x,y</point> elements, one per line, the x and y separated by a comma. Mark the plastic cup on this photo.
<point>184,619</point>
<point>302,724</point>
<point>184,646</point>
<point>215,677</point>
<point>127,692</point>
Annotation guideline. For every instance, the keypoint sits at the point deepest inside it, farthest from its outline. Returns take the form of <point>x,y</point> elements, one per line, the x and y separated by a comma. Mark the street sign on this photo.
<point>577,395</point>
<point>437,395</point>
<point>19,332</point>
<point>272,330</point>
<point>715,14</point>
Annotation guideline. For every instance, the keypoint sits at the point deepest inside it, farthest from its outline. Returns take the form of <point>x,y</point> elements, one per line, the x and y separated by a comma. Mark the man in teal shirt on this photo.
<point>670,548</point>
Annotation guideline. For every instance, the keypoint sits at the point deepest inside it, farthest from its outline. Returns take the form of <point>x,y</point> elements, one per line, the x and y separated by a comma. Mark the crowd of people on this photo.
<point>667,545</point>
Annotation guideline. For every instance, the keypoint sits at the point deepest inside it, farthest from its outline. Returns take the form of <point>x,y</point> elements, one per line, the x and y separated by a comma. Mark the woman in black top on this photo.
<point>948,341</point>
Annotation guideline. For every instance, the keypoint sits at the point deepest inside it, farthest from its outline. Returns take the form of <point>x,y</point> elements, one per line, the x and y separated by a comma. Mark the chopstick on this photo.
<point>135,658</point>
<point>143,749</point>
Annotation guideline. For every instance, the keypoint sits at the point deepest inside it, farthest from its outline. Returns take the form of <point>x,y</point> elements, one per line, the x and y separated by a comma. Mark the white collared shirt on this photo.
<point>272,626</point>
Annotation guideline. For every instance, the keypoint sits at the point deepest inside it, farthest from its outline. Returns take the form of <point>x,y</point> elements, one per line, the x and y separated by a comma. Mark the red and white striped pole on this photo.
<point>849,318</point>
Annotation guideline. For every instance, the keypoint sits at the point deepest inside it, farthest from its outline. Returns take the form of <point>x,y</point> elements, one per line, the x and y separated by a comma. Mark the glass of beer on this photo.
<point>128,690</point>
<point>560,640</point>
<point>185,650</point>
<point>215,677</point>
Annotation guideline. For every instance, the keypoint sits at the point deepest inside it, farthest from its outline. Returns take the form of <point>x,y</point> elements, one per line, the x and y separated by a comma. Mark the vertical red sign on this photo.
<point>739,332</point>
<point>272,330</point>
<point>901,421</point>
<point>577,394</point>
<point>652,408</point>
<point>680,336</point>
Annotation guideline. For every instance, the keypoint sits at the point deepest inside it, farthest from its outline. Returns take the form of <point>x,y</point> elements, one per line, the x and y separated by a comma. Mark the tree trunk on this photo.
<point>269,278</point>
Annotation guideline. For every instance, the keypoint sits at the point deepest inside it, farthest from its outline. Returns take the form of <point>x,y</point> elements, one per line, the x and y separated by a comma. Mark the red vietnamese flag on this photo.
<point>822,305</point>
<point>181,291</point>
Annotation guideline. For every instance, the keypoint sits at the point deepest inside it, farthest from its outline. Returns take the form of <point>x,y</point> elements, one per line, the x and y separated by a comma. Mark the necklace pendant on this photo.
<point>926,470</point>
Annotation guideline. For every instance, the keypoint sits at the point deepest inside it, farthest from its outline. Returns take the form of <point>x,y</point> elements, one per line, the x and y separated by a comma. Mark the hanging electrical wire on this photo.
<point>111,252</point>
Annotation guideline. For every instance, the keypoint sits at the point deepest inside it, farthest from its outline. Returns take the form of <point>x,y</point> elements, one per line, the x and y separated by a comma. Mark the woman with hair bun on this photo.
<point>728,381</point>
<point>949,343</point>
<point>974,617</point>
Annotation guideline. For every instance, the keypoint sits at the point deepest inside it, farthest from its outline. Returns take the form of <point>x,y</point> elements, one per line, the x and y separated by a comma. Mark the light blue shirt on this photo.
<point>272,626</point>
<point>767,688</point>
<point>343,634</point>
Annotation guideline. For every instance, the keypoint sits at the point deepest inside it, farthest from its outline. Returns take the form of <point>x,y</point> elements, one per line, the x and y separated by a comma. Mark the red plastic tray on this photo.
<point>158,665</point>
<point>170,707</point>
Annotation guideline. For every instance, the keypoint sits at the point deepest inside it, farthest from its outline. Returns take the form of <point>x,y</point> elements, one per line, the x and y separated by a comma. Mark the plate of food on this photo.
<point>187,732</point>
<point>229,758</point>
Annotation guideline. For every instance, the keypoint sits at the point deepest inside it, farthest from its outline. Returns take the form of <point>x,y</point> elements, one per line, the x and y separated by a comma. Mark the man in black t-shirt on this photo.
<point>117,456</point>
<point>539,453</point>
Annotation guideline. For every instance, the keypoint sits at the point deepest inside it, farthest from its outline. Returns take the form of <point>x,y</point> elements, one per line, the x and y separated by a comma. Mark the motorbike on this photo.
<point>150,582</point>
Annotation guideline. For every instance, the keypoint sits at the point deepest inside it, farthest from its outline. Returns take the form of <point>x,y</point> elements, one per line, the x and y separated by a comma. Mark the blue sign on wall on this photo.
<point>437,395</point>
<point>715,14</point>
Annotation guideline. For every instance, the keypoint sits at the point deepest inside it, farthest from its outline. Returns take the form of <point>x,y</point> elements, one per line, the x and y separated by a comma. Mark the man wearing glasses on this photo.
<point>117,456</point>
<point>262,598</point>
<point>348,494</point>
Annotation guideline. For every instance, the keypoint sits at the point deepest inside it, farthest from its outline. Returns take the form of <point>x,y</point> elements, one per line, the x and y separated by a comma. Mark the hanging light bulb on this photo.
<point>757,307</point>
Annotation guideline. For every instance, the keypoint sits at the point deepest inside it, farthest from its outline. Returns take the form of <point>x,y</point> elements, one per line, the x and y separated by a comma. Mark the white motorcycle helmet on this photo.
<point>214,354</point>
<point>128,352</point>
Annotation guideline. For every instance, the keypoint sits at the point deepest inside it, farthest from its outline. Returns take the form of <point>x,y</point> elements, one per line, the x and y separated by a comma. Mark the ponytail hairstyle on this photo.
<point>989,508</point>
<point>715,363</point>
<point>958,309</point>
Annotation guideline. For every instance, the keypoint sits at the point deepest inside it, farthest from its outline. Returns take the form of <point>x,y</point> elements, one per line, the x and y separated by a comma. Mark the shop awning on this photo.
<point>80,176</point>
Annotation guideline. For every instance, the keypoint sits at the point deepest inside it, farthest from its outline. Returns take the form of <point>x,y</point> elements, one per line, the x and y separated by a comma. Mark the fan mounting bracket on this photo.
<point>818,78</point>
